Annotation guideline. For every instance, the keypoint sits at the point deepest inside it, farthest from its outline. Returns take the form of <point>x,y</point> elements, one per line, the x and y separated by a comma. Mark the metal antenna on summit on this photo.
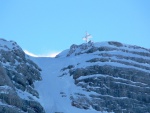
<point>87,37</point>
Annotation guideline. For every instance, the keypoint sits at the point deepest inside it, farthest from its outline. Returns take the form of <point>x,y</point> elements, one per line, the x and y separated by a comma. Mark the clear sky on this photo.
<point>46,26</point>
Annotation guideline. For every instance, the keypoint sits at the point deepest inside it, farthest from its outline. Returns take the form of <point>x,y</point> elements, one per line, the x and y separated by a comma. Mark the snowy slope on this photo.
<point>59,86</point>
<point>55,91</point>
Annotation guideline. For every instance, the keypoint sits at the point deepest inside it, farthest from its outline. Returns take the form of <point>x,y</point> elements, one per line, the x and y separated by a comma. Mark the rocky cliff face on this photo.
<point>17,77</point>
<point>117,77</point>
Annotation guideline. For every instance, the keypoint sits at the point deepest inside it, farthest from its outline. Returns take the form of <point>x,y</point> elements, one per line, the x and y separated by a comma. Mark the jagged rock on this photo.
<point>9,109</point>
<point>5,80</point>
<point>37,108</point>
<point>118,44</point>
<point>117,83</point>
<point>68,67</point>
<point>32,91</point>
<point>17,73</point>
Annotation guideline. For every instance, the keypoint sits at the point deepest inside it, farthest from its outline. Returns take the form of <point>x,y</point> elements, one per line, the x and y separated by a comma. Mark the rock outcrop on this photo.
<point>116,76</point>
<point>18,74</point>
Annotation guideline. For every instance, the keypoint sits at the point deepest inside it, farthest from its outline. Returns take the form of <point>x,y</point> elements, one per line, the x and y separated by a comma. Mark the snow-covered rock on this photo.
<point>17,76</point>
<point>96,77</point>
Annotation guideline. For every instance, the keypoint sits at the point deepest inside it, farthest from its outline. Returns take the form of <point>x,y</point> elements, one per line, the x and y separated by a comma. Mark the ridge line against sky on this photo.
<point>42,27</point>
<point>52,54</point>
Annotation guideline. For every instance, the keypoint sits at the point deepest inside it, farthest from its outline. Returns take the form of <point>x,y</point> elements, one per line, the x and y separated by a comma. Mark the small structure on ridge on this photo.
<point>87,37</point>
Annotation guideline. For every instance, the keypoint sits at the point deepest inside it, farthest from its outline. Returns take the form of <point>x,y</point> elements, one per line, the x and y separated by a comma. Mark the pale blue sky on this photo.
<point>45,26</point>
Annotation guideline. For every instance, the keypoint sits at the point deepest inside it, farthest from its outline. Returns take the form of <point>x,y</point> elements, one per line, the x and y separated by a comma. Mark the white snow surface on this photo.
<point>52,85</point>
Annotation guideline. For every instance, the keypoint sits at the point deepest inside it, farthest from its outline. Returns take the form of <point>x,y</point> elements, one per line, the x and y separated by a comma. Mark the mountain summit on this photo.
<point>105,77</point>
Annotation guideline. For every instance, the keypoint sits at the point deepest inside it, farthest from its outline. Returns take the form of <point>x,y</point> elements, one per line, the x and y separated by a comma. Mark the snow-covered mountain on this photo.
<point>100,77</point>
<point>94,77</point>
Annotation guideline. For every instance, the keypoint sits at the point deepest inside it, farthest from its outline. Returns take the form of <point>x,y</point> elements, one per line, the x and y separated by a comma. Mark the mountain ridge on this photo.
<point>92,45</point>
<point>105,77</point>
